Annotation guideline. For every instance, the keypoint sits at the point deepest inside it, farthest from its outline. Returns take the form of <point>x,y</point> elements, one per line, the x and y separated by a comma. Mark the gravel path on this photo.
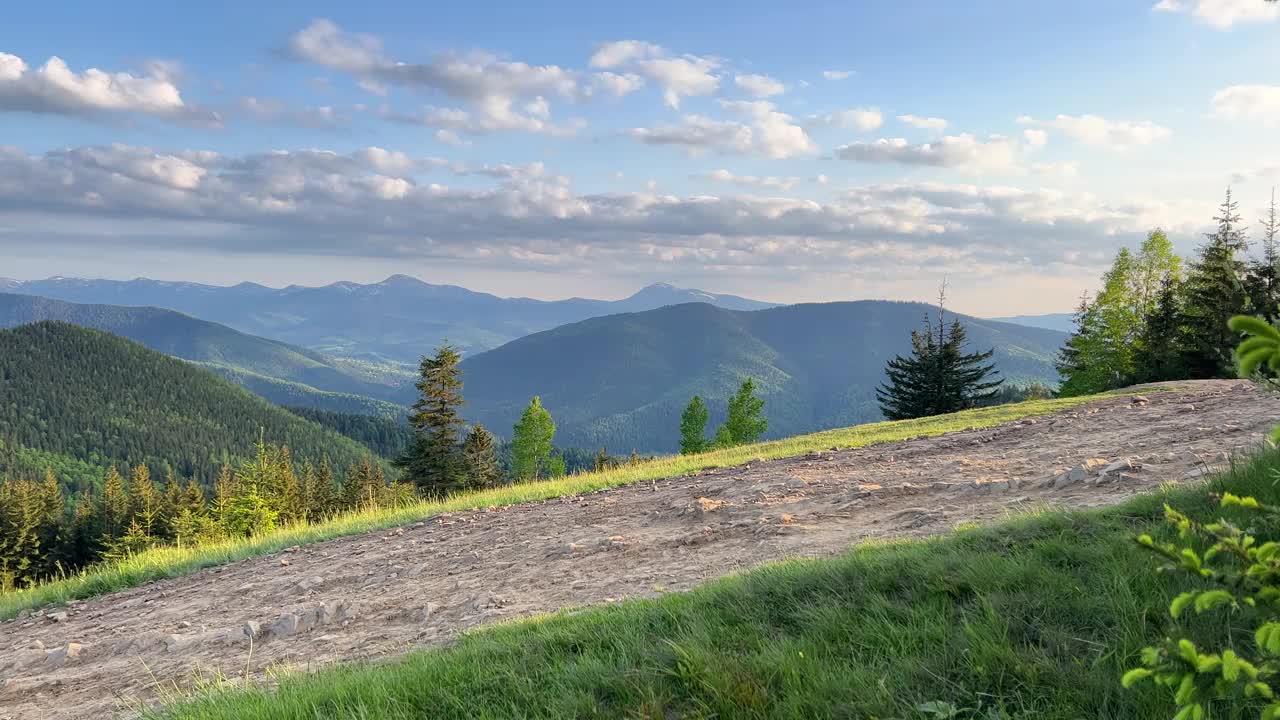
<point>383,593</point>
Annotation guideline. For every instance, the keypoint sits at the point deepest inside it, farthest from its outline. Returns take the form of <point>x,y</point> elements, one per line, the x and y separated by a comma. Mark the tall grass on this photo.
<point>167,562</point>
<point>1035,617</point>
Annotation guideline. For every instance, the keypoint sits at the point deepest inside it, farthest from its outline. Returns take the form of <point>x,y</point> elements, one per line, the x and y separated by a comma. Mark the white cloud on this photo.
<point>923,123</point>
<point>766,132</point>
<point>490,114</point>
<point>1260,103</point>
<point>1036,138</point>
<point>753,181</point>
<point>678,76</point>
<point>836,74</point>
<point>759,85</point>
<point>1097,130</point>
<point>617,84</point>
<point>862,119</point>
<point>55,88</point>
<point>951,151</point>
<point>276,111</point>
<point>324,43</point>
<point>1223,14</point>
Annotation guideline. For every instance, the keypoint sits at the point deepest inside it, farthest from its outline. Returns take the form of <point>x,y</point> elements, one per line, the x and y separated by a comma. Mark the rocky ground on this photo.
<point>382,593</point>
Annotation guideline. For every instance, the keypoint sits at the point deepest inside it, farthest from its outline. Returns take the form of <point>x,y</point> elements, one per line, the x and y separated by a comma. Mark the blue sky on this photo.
<point>794,152</point>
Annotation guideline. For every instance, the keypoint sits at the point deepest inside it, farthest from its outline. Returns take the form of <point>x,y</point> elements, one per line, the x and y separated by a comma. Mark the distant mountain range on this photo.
<point>621,381</point>
<point>282,373</point>
<point>398,319</point>
<point>1062,322</point>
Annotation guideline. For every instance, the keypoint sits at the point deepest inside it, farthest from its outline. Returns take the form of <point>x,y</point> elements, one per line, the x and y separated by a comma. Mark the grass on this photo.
<point>167,562</point>
<point>1036,617</point>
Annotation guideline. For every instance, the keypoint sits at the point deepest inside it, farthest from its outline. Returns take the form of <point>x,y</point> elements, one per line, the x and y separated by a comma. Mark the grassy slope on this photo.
<point>1036,617</point>
<point>172,562</point>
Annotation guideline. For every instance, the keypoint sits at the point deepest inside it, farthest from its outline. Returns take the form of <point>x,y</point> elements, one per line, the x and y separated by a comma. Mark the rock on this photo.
<point>284,562</point>
<point>184,624</point>
<point>997,487</point>
<point>175,643</point>
<point>285,625</point>
<point>425,613</point>
<point>59,658</point>
<point>310,619</point>
<point>487,600</point>
<point>308,584</point>
<point>1140,400</point>
<point>293,549</point>
<point>706,505</point>
<point>1118,466</point>
<point>58,617</point>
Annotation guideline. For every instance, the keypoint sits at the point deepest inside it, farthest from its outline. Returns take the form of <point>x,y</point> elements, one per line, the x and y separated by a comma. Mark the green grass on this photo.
<point>172,562</point>
<point>1035,617</point>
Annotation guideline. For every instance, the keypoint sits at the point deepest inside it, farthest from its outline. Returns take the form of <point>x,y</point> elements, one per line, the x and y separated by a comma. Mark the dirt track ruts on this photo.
<point>383,593</point>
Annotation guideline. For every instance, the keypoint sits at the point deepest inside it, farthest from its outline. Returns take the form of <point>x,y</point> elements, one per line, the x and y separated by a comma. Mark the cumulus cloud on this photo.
<point>1260,103</point>
<point>861,119</point>
<point>55,88</point>
<point>490,114</point>
<point>276,111</point>
<point>765,131</point>
<point>759,85</point>
<point>489,86</point>
<point>1096,130</point>
<point>836,74</point>
<point>1036,138</point>
<point>616,84</point>
<point>963,151</point>
<point>752,181</point>
<point>678,76</point>
<point>923,123</point>
<point>1222,14</point>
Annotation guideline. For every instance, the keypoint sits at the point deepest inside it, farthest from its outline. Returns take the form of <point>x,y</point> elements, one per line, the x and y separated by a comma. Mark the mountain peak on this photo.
<point>401,279</point>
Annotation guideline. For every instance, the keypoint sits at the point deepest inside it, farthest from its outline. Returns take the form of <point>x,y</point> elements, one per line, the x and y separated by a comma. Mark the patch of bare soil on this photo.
<point>383,593</point>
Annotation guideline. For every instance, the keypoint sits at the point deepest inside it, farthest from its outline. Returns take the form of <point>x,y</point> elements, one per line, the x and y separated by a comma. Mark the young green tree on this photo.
<point>1100,354</point>
<point>745,421</point>
<point>693,427</point>
<point>1160,352</point>
<point>531,442</point>
<point>1214,293</point>
<point>433,461</point>
<point>480,456</point>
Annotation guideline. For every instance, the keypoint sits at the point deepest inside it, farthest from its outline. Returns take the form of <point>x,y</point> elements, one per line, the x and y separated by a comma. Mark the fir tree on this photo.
<point>433,461</point>
<point>114,509</point>
<point>1160,349</point>
<point>480,456</point>
<point>1215,292</point>
<point>1263,279</point>
<point>531,442</point>
<point>939,376</point>
<point>693,427</point>
<point>744,421</point>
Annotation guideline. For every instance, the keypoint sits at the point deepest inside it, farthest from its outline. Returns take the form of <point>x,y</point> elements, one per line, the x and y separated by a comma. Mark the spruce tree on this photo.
<point>1215,293</point>
<point>693,427</point>
<point>744,421</point>
<point>939,376</point>
<point>1160,349</point>
<point>433,461</point>
<point>1263,280</point>
<point>480,456</point>
<point>531,442</point>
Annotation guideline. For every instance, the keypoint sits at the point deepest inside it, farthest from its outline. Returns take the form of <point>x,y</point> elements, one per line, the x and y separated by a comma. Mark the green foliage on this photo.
<point>102,400</point>
<point>939,377</point>
<point>1215,292</point>
<point>388,437</point>
<point>1241,573</point>
<point>433,461</point>
<point>480,459</point>
<point>693,427</point>
<point>745,421</point>
<point>531,443</point>
<point>1262,282</point>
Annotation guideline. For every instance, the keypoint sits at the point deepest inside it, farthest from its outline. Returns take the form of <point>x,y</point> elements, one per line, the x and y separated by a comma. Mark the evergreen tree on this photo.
<point>531,442</point>
<point>1160,348</point>
<point>693,427</point>
<point>1263,280</point>
<point>147,502</point>
<point>480,456</point>
<point>433,461</point>
<point>1215,292</point>
<point>939,376</point>
<point>114,510</point>
<point>744,422</point>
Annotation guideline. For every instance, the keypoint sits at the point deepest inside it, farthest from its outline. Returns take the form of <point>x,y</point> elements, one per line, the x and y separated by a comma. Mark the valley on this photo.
<point>422,584</point>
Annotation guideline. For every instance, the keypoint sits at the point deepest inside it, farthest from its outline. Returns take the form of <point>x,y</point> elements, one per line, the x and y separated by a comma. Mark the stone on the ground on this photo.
<point>285,625</point>
<point>58,658</point>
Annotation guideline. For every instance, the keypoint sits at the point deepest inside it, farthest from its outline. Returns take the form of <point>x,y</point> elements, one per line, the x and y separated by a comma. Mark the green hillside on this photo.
<point>100,399</point>
<point>282,373</point>
<point>621,381</point>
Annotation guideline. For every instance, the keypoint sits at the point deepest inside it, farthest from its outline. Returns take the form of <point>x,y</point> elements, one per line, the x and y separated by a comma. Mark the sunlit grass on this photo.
<point>167,562</point>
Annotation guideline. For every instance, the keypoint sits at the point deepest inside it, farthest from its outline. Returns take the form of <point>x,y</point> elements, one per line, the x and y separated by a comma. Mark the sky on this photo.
<point>791,152</point>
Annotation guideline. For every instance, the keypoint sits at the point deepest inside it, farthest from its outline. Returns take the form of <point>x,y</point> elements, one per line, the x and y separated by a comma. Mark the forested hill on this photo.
<point>621,381</point>
<point>284,374</point>
<point>102,399</point>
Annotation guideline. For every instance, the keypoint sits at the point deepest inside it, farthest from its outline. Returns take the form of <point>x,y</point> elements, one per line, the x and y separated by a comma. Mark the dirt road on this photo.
<point>382,593</point>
